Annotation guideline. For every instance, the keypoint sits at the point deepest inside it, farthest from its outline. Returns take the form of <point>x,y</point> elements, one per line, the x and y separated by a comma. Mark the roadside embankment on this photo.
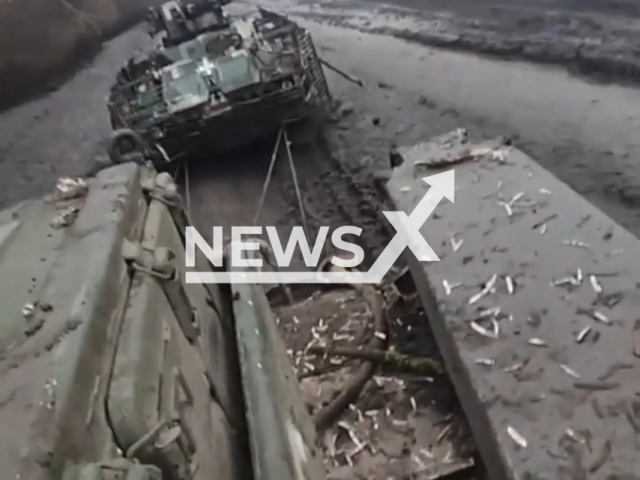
<point>41,40</point>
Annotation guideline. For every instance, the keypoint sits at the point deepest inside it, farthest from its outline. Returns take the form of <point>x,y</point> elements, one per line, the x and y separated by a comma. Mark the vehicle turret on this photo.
<point>184,20</point>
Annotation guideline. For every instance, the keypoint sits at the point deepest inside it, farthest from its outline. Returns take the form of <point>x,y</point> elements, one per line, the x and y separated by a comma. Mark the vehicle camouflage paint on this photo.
<point>113,368</point>
<point>214,83</point>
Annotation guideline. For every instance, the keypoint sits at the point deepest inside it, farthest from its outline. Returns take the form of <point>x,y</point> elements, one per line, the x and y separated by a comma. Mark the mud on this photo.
<point>584,133</point>
<point>43,43</point>
<point>596,38</point>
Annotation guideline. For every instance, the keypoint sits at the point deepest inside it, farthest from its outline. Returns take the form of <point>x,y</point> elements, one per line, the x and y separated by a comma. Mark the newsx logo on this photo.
<point>247,264</point>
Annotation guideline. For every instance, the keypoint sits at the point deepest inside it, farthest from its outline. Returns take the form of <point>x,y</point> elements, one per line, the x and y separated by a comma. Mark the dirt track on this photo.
<point>597,37</point>
<point>584,133</point>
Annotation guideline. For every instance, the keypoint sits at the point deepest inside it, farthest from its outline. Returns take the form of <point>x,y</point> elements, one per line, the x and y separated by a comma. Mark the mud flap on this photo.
<point>282,436</point>
<point>533,305</point>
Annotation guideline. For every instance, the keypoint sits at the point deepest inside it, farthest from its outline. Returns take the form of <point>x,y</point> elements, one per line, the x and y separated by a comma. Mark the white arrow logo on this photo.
<point>408,227</point>
<point>407,236</point>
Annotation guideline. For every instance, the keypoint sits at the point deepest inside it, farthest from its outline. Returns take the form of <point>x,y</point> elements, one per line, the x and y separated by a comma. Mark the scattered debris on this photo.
<point>569,371</point>
<point>489,362</point>
<point>517,437</point>
<point>345,109</point>
<point>571,434</point>
<point>537,342</point>
<point>65,218</point>
<point>601,458</point>
<point>583,334</point>
<point>576,244</point>
<point>449,287</point>
<point>488,288</point>
<point>596,386</point>
<point>514,368</point>
<point>456,244</point>
<point>28,310</point>
<point>595,315</point>
<point>510,285</point>
<point>575,281</point>
<point>595,284</point>
<point>426,102</point>
<point>507,207</point>
<point>385,423</point>
<point>70,188</point>
<point>494,333</point>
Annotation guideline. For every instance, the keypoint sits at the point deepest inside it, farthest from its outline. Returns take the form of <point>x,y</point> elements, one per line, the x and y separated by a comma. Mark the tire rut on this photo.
<point>335,191</point>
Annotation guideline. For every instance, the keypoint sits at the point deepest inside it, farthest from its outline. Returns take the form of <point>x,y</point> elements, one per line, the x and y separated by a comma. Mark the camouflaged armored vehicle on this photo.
<point>214,83</point>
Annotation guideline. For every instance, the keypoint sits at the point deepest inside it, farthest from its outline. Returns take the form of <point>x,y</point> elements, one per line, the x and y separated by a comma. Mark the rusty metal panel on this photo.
<point>281,434</point>
<point>555,395</point>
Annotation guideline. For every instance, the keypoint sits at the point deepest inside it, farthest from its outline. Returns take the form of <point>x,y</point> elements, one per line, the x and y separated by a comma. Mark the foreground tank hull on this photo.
<point>114,367</point>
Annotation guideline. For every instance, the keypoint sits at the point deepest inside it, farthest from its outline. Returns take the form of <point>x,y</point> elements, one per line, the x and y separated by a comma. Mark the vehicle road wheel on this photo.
<point>126,146</point>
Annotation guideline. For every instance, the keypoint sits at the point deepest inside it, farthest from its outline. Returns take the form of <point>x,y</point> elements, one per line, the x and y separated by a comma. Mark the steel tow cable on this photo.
<point>267,181</point>
<point>303,216</point>
<point>282,134</point>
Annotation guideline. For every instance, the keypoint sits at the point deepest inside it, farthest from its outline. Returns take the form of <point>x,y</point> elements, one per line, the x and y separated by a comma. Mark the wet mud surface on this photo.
<point>585,134</point>
<point>598,39</point>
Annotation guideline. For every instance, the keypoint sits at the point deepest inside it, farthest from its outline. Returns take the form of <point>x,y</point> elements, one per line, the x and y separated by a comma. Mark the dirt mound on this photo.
<point>40,39</point>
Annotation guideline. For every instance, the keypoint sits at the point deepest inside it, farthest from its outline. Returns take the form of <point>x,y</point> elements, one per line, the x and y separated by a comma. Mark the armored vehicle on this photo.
<point>114,368</point>
<point>214,83</point>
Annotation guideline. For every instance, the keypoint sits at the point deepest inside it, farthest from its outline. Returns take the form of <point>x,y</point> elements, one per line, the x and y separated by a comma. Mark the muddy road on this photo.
<point>595,38</point>
<point>585,133</point>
